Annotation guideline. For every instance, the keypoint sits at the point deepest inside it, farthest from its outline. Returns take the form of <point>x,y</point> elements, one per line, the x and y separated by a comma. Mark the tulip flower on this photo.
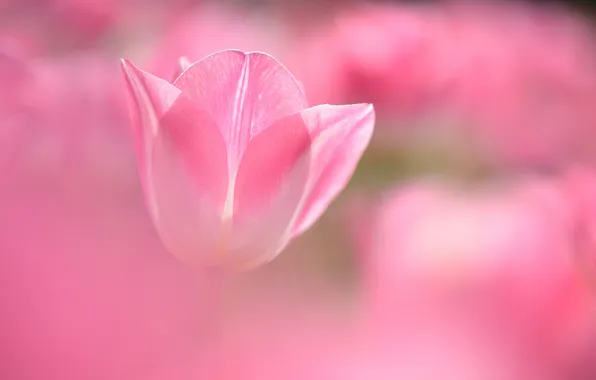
<point>232,161</point>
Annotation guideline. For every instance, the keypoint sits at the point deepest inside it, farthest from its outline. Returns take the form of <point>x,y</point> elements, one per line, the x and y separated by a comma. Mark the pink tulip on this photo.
<point>233,162</point>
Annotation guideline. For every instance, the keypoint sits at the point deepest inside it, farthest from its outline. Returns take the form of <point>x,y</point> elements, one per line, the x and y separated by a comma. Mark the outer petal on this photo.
<point>149,99</point>
<point>271,181</point>
<point>183,166</point>
<point>340,134</point>
<point>244,92</point>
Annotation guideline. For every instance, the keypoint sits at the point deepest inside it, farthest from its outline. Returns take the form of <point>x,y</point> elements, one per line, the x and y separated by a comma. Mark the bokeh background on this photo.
<point>463,248</point>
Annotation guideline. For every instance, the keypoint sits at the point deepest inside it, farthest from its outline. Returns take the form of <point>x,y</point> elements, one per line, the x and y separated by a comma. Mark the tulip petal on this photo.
<point>339,134</point>
<point>244,92</point>
<point>270,183</point>
<point>183,164</point>
<point>190,183</point>
<point>149,98</point>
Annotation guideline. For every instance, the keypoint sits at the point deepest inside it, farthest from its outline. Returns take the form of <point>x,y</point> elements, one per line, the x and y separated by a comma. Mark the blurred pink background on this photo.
<point>464,248</point>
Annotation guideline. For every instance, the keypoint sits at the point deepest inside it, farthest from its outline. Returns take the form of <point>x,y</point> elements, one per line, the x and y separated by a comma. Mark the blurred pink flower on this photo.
<point>580,185</point>
<point>232,161</point>
<point>90,19</point>
<point>275,335</point>
<point>517,79</point>
<point>22,39</point>
<point>371,51</point>
<point>46,130</point>
<point>526,82</point>
<point>501,256</point>
<point>60,24</point>
<point>431,345</point>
